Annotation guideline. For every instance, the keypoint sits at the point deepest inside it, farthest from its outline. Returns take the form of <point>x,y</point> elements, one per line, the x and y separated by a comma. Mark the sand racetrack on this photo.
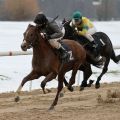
<point>76,105</point>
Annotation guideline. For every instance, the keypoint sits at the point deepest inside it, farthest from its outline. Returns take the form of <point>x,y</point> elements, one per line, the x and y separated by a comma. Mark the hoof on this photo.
<point>70,88</point>
<point>43,84</point>
<point>51,108</point>
<point>44,92</point>
<point>17,99</point>
<point>97,86</point>
<point>91,82</point>
<point>84,84</point>
<point>48,90</point>
<point>81,88</point>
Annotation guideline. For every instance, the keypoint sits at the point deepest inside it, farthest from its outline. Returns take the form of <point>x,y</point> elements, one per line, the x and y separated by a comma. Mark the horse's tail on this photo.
<point>95,63</point>
<point>115,58</point>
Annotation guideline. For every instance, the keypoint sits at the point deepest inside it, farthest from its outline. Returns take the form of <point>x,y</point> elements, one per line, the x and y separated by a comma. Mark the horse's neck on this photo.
<point>42,49</point>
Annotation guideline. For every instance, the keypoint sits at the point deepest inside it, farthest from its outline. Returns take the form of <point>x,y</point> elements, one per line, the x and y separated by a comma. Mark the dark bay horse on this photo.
<point>106,51</point>
<point>46,62</point>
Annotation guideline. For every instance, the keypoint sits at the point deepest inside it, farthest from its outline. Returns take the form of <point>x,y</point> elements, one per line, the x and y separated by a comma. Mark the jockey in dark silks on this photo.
<point>84,27</point>
<point>52,33</point>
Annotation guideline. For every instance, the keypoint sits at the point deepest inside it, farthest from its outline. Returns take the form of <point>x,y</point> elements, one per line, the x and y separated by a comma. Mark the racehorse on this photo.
<point>46,62</point>
<point>106,51</point>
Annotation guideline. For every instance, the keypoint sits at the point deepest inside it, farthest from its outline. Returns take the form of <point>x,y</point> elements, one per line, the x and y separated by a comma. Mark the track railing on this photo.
<point>16,53</point>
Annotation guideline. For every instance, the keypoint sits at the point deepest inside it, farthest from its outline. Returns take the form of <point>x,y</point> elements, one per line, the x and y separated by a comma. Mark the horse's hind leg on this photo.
<point>33,75</point>
<point>48,78</point>
<point>66,84</point>
<point>105,68</point>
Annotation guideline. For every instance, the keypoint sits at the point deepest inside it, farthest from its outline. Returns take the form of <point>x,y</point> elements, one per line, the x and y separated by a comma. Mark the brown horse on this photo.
<point>46,62</point>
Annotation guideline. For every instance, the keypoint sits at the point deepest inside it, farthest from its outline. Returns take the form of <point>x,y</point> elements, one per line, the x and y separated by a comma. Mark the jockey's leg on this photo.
<point>55,44</point>
<point>89,34</point>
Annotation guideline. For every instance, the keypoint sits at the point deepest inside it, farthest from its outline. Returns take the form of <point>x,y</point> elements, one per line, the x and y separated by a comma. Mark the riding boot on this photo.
<point>64,54</point>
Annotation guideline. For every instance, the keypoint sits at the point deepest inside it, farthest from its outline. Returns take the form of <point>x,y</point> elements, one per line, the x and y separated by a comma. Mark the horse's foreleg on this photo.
<point>33,75</point>
<point>48,78</point>
<point>65,81</point>
<point>87,72</point>
<point>105,68</point>
<point>72,79</point>
<point>59,89</point>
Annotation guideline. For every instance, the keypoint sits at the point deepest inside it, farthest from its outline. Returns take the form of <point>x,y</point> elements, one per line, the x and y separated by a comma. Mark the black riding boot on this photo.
<point>64,54</point>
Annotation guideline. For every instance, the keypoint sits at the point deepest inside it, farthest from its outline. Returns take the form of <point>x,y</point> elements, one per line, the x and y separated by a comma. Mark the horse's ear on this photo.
<point>64,21</point>
<point>30,25</point>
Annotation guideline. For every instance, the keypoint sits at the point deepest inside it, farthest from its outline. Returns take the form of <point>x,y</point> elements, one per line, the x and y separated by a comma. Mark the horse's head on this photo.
<point>69,31</point>
<point>30,37</point>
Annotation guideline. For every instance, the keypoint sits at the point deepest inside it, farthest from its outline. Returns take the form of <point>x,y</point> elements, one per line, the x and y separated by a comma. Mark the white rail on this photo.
<point>16,53</point>
<point>116,47</point>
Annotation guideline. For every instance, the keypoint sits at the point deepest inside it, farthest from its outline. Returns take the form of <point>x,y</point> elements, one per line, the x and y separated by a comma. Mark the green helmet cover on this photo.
<point>77,15</point>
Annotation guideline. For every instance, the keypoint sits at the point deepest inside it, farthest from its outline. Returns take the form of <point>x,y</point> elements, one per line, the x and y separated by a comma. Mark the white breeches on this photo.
<point>89,34</point>
<point>54,43</point>
<point>92,30</point>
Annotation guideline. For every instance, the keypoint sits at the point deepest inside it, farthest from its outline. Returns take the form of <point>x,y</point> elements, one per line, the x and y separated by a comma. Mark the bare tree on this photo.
<point>21,9</point>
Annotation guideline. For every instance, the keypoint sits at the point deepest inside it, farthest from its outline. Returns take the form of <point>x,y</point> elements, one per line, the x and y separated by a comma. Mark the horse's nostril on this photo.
<point>23,47</point>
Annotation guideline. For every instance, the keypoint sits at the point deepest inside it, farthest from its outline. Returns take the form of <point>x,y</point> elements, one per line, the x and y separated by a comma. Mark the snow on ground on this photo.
<point>14,69</point>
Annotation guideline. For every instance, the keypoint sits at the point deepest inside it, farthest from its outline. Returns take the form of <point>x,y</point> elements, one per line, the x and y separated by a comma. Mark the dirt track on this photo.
<point>73,106</point>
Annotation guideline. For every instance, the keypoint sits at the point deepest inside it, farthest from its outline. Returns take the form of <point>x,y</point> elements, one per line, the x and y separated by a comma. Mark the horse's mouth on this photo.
<point>24,48</point>
<point>30,46</point>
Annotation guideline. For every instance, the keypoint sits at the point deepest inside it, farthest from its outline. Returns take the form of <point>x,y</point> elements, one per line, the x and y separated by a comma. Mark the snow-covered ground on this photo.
<point>14,69</point>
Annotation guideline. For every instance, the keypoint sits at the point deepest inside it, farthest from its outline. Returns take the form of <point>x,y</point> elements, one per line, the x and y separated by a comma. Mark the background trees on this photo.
<point>20,9</point>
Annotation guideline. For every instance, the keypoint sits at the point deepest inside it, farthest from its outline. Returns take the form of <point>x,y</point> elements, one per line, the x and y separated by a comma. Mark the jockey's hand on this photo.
<point>44,35</point>
<point>75,32</point>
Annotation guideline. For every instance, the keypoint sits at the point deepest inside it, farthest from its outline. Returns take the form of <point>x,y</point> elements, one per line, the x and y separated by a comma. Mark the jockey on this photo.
<point>84,27</point>
<point>52,33</point>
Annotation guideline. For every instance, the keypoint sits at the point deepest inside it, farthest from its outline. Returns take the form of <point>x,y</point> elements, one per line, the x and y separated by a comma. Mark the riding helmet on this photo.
<point>77,15</point>
<point>40,19</point>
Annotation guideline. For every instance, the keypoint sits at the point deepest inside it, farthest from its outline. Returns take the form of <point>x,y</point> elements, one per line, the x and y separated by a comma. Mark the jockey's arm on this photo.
<point>57,31</point>
<point>83,31</point>
<point>85,26</point>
